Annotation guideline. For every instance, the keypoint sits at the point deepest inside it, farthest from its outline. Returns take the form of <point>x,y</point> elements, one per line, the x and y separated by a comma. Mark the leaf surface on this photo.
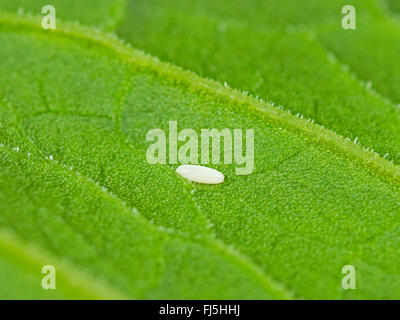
<point>73,159</point>
<point>393,6</point>
<point>104,14</point>
<point>57,205</point>
<point>284,52</point>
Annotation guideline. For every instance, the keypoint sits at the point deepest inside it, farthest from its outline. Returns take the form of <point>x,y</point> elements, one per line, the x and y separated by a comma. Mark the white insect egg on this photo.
<point>200,174</point>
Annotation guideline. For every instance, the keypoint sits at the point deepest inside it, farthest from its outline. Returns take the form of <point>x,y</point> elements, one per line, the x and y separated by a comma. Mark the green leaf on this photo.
<point>105,14</point>
<point>70,209</point>
<point>392,5</point>
<point>277,50</point>
<point>76,107</point>
<point>21,275</point>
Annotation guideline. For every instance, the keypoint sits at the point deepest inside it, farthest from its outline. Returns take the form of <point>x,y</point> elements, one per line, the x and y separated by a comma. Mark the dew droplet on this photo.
<point>200,174</point>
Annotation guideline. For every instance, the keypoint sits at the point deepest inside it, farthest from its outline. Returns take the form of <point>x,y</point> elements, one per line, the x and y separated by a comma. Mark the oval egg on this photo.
<point>200,174</point>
